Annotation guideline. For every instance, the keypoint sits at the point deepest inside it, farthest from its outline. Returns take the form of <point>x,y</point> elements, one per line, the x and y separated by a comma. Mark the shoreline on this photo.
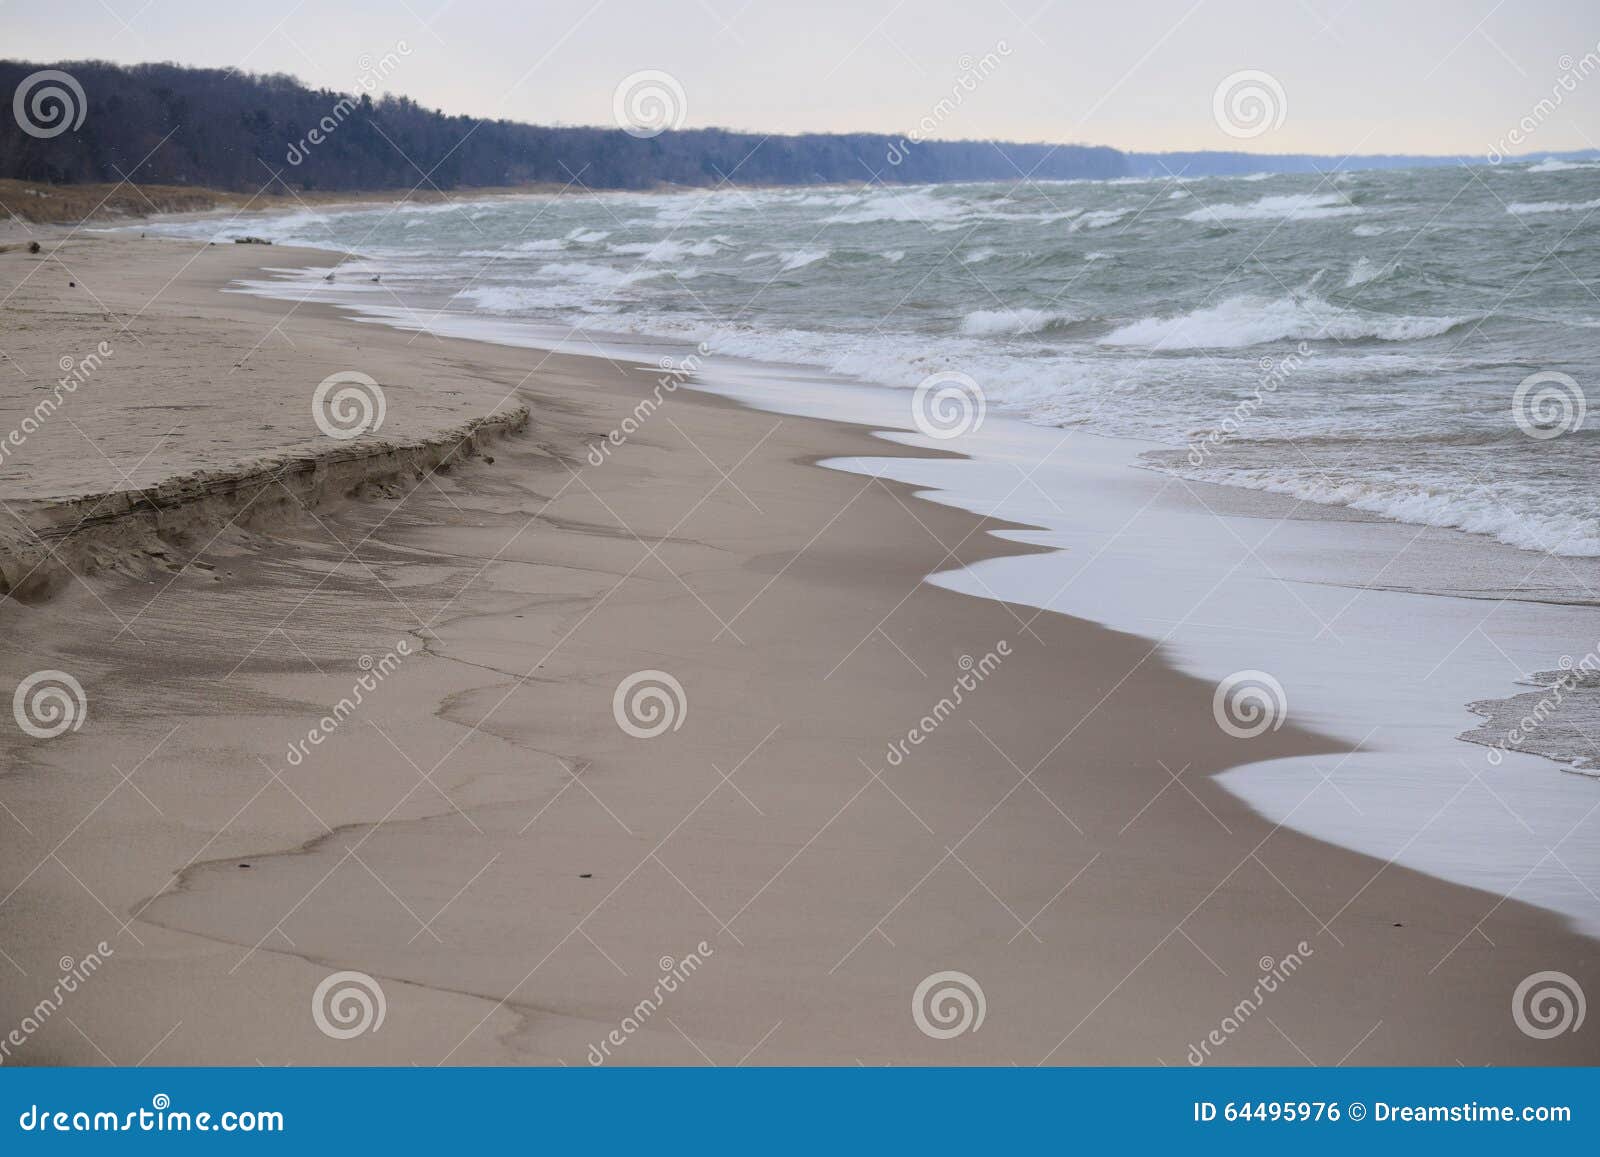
<point>1371,567</point>
<point>1108,916</point>
<point>147,204</point>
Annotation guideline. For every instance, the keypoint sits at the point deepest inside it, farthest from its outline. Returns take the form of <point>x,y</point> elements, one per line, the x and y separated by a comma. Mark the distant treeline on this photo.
<point>162,124</point>
<point>165,124</point>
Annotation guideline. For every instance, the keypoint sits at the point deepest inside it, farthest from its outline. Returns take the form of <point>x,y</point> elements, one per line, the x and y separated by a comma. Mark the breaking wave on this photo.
<point>1248,320</point>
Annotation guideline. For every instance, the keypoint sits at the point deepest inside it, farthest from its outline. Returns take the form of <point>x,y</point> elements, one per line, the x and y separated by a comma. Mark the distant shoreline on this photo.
<point>123,203</point>
<point>40,203</point>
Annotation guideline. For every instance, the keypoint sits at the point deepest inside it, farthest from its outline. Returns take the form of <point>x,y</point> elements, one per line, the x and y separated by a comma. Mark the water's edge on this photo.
<point>1233,591</point>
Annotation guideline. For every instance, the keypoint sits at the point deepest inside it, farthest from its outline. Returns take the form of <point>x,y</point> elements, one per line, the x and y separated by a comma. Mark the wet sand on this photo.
<point>517,873</point>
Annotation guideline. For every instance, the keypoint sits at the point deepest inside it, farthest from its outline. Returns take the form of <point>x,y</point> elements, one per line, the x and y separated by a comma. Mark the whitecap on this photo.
<point>1534,208</point>
<point>800,258</point>
<point>1245,321</point>
<point>602,276</point>
<point>1097,219</point>
<point>1002,322</point>
<point>665,249</point>
<point>547,245</point>
<point>909,205</point>
<point>1366,270</point>
<point>1284,207</point>
<point>1551,165</point>
<point>1474,509</point>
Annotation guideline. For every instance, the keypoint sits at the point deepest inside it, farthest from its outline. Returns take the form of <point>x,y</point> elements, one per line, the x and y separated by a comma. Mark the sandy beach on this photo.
<point>821,828</point>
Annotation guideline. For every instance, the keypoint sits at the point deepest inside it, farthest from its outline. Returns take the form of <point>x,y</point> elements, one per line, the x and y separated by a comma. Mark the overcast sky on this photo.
<point>1355,75</point>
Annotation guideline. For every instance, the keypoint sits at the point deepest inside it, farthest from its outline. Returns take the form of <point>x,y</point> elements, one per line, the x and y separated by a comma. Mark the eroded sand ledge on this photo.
<point>158,526</point>
<point>484,840</point>
<point>121,452</point>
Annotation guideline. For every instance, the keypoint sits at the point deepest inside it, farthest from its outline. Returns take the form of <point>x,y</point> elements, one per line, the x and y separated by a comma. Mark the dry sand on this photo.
<point>512,869</point>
